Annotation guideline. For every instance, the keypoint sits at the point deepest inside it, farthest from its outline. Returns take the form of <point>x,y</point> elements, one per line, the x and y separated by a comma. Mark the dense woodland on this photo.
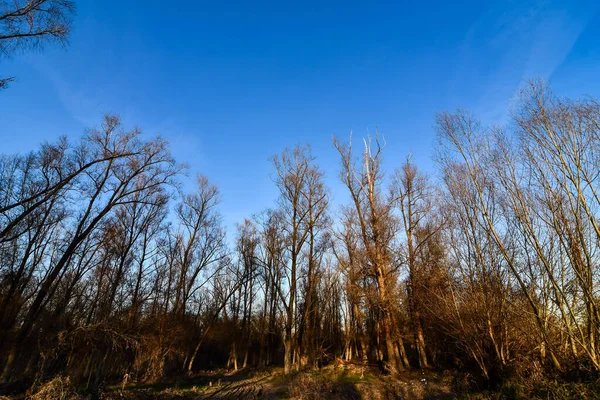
<point>491,266</point>
<point>110,266</point>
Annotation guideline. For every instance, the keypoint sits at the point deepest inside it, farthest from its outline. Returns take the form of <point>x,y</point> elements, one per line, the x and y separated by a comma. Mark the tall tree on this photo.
<point>303,201</point>
<point>377,229</point>
<point>134,169</point>
<point>414,197</point>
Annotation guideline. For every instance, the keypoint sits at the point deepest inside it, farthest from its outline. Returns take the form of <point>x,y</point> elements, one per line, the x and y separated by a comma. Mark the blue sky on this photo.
<point>230,84</point>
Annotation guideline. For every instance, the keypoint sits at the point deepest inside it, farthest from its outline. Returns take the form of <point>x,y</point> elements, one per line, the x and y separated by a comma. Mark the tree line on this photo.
<point>107,266</point>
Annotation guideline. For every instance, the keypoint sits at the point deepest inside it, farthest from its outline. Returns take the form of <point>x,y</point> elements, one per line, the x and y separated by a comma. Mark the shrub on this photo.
<point>59,388</point>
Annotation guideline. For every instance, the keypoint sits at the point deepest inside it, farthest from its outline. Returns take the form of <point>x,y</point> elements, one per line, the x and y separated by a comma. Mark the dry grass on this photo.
<point>59,388</point>
<point>357,381</point>
<point>348,381</point>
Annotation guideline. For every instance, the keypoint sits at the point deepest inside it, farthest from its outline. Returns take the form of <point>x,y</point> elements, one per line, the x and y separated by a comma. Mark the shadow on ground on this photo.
<point>350,381</point>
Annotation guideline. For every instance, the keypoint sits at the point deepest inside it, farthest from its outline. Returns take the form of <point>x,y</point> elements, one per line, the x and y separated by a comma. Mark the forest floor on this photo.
<point>348,381</point>
<point>343,381</point>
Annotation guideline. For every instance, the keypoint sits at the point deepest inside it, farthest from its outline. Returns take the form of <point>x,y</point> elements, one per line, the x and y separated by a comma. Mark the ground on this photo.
<point>346,381</point>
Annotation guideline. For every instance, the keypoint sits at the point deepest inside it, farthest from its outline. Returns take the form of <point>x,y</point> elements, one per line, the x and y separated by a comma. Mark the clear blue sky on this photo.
<point>229,84</point>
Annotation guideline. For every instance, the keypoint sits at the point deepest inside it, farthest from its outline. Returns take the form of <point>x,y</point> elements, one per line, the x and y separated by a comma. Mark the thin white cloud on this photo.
<point>509,44</point>
<point>552,39</point>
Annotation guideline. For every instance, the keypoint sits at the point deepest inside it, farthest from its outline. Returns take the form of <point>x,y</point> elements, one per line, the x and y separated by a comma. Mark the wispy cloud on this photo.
<point>81,104</point>
<point>507,45</point>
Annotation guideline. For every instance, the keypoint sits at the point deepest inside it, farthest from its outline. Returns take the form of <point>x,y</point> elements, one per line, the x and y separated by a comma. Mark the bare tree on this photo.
<point>29,24</point>
<point>200,241</point>
<point>135,170</point>
<point>348,256</point>
<point>377,229</point>
<point>414,197</point>
<point>303,202</point>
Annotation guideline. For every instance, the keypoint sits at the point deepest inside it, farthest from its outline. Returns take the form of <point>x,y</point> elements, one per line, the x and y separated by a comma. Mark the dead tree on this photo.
<point>376,226</point>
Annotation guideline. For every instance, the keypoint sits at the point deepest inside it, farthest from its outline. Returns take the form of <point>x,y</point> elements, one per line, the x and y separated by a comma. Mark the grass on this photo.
<point>351,381</point>
<point>347,382</point>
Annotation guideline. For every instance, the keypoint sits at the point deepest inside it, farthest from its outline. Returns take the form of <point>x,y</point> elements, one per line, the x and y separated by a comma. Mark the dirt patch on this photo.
<point>351,381</point>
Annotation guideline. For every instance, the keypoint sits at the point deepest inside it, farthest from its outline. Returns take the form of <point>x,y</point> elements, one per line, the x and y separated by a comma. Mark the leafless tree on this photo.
<point>303,202</point>
<point>29,24</point>
<point>377,229</point>
<point>415,198</point>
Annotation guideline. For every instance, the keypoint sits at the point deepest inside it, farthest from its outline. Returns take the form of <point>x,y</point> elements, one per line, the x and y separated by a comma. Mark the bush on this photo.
<point>554,390</point>
<point>59,388</point>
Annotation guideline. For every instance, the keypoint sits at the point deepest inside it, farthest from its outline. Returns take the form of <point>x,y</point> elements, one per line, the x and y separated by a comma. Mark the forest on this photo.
<point>491,268</point>
<point>112,272</point>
